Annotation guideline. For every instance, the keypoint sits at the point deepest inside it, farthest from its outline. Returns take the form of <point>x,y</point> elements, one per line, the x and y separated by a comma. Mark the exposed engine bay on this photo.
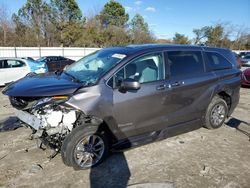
<point>49,120</point>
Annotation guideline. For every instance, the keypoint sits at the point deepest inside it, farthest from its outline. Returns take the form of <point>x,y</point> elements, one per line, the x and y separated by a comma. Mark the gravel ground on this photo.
<point>202,158</point>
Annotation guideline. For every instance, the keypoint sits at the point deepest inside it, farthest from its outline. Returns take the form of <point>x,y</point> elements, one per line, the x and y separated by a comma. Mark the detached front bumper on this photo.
<point>29,119</point>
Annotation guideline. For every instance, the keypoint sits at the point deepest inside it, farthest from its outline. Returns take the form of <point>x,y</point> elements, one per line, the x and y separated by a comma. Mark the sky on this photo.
<point>166,17</point>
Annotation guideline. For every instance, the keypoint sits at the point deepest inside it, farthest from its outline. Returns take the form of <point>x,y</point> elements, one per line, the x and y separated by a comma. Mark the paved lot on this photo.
<point>202,158</point>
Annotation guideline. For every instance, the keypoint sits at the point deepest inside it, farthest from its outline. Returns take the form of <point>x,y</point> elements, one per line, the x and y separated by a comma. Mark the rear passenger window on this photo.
<point>185,63</point>
<point>217,61</point>
<point>15,63</point>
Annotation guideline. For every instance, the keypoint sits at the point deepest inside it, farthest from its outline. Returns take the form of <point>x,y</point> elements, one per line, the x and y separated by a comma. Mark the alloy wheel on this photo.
<point>89,151</point>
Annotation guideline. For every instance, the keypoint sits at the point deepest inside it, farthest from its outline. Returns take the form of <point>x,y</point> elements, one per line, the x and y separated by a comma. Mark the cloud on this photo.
<point>138,3</point>
<point>128,9</point>
<point>150,9</point>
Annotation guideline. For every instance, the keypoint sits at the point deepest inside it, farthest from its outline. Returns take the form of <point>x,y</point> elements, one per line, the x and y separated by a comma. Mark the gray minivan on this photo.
<point>121,97</point>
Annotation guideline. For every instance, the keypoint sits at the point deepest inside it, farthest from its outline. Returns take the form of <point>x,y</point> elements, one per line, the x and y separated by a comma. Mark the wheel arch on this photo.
<point>225,93</point>
<point>106,124</point>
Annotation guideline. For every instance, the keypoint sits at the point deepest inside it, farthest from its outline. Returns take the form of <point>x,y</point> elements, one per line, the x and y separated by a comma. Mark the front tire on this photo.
<point>84,148</point>
<point>216,113</point>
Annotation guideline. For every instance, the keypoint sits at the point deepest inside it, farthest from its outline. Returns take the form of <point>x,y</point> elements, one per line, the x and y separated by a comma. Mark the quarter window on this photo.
<point>185,63</point>
<point>217,61</point>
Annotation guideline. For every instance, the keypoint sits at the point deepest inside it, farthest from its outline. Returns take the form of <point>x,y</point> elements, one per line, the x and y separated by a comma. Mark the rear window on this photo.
<point>61,58</point>
<point>185,63</point>
<point>217,61</point>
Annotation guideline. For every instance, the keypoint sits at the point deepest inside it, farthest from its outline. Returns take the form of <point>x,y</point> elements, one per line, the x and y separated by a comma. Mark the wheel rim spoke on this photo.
<point>89,151</point>
<point>218,114</point>
<point>85,161</point>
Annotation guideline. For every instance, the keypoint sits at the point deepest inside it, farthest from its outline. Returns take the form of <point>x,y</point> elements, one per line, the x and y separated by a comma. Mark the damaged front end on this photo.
<point>50,119</point>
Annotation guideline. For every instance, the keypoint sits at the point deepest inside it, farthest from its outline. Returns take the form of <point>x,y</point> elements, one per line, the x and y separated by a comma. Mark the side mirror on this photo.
<point>129,84</point>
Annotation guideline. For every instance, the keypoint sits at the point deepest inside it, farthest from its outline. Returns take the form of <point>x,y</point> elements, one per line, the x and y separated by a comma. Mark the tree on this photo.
<point>116,36</point>
<point>92,35</point>
<point>200,34</point>
<point>66,17</point>
<point>217,35</point>
<point>181,39</point>
<point>34,15</point>
<point>6,30</point>
<point>140,31</point>
<point>138,24</point>
<point>113,14</point>
<point>164,41</point>
<point>214,35</point>
<point>242,42</point>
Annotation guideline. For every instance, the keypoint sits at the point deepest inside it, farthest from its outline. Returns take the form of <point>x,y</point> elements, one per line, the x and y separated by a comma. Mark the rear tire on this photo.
<point>216,113</point>
<point>84,148</point>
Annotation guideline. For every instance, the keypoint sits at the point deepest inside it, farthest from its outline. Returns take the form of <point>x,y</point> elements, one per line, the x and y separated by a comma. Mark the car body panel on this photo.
<point>42,85</point>
<point>245,77</point>
<point>55,63</point>
<point>10,74</point>
<point>37,67</point>
<point>245,60</point>
<point>146,112</point>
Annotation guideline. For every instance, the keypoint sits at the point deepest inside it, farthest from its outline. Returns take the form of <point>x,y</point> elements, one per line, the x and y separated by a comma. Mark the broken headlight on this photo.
<point>50,100</point>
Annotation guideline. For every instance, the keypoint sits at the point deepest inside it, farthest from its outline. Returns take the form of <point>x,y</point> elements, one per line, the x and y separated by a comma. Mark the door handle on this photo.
<point>177,84</point>
<point>163,86</point>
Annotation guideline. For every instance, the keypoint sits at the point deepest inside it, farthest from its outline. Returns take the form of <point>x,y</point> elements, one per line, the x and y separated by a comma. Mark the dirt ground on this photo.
<point>202,158</point>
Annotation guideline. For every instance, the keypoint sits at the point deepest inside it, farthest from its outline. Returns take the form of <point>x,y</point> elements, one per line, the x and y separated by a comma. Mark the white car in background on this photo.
<point>12,69</point>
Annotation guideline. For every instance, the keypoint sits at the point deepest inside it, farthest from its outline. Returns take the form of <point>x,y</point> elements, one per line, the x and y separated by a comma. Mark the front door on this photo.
<point>141,111</point>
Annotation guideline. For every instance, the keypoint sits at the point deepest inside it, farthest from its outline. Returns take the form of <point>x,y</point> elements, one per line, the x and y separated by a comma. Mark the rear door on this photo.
<point>191,86</point>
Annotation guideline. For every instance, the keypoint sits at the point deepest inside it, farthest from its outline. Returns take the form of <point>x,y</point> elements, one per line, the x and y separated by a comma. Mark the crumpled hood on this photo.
<point>40,85</point>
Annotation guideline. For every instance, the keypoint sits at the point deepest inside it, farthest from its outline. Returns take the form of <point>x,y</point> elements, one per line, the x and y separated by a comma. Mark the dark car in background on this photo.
<point>55,63</point>
<point>122,97</point>
<point>245,60</point>
<point>245,77</point>
<point>242,54</point>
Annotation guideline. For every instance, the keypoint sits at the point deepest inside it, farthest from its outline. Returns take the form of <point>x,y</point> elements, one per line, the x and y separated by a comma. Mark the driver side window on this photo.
<point>147,68</point>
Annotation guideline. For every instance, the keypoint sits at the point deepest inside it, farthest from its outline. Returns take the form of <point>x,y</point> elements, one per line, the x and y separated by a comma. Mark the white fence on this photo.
<point>238,51</point>
<point>36,52</point>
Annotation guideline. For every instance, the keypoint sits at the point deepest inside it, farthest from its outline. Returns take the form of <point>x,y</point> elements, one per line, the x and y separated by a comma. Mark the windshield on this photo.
<point>92,67</point>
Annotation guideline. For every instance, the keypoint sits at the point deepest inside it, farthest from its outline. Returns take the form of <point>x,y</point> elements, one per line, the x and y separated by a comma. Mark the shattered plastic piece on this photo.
<point>35,168</point>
